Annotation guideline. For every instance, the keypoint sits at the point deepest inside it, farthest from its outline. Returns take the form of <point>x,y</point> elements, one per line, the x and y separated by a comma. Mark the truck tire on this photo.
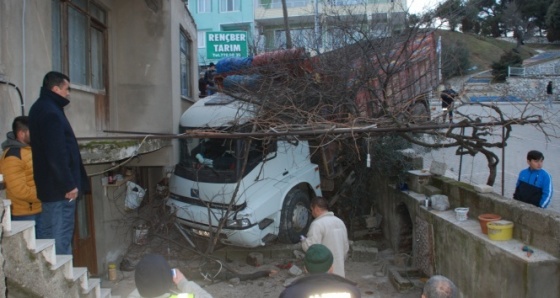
<point>296,217</point>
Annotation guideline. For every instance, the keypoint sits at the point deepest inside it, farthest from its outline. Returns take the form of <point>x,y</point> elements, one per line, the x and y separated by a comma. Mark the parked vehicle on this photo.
<point>253,191</point>
<point>261,189</point>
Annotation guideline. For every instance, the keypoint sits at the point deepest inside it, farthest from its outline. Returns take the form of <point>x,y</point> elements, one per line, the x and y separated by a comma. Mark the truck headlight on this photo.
<point>238,223</point>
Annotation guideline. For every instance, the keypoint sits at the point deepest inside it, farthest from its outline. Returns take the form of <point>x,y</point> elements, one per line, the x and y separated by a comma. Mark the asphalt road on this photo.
<point>524,138</point>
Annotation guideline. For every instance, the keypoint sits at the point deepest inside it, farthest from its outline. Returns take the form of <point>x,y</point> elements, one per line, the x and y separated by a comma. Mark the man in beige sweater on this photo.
<point>329,230</point>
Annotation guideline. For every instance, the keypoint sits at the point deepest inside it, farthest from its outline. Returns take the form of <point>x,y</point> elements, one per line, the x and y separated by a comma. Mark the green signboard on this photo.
<point>226,44</point>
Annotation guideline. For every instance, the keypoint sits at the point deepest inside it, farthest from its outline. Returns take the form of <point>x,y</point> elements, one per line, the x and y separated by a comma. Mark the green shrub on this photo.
<point>500,68</point>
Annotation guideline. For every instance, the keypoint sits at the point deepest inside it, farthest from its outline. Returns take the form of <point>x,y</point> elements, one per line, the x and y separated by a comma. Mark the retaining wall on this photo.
<point>479,266</point>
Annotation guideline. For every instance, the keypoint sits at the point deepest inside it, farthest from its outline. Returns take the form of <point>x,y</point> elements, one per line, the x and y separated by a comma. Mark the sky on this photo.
<point>417,6</point>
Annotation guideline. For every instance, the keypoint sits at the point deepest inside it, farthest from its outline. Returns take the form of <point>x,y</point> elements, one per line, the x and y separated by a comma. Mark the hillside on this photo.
<point>483,51</point>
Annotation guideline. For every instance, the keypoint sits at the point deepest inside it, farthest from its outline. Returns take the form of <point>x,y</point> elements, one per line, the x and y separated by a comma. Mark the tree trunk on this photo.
<point>286,25</point>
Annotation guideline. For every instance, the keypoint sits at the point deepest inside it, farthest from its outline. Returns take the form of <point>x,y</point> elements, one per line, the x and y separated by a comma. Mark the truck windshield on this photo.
<point>216,160</point>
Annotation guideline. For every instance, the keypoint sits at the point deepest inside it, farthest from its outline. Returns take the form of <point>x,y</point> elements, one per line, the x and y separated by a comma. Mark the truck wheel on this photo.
<point>296,217</point>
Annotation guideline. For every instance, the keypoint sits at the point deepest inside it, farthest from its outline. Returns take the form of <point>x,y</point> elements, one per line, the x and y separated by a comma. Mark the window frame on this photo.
<point>185,50</point>
<point>63,57</point>
<point>201,39</point>
<point>207,6</point>
<point>236,5</point>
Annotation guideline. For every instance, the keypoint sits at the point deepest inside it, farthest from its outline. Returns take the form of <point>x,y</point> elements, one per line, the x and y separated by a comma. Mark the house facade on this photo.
<point>133,71</point>
<point>219,16</point>
<point>324,25</point>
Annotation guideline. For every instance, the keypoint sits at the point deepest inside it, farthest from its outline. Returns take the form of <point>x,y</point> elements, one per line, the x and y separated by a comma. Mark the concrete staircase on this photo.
<point>479,85</point>
<point>34,265</point>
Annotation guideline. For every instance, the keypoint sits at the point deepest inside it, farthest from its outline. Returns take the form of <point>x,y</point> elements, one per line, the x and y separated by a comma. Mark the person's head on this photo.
<point>318,259</point>
<point>153,276</point>
<point>58,83</point>
<point>20,128</point>
<point>319,205</point>
<point>439,287</point>
<point>535,159</point>
<point>211,65</point>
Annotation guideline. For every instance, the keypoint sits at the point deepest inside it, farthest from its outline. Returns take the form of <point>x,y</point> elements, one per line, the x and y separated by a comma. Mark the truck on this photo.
<point>248,192</point>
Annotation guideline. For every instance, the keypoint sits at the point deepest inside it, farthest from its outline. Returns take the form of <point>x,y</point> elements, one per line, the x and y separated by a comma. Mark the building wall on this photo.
<point>222,21</point>
<point>22,32</point>
<point>144,90</point>
<point>270,19</point>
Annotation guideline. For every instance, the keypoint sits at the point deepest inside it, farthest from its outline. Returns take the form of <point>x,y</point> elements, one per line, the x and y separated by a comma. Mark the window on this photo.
<point>80,25</point>
<point>201,39</point>
<point>230,5</point>
<point>204,6</point>
<point>185,56</point>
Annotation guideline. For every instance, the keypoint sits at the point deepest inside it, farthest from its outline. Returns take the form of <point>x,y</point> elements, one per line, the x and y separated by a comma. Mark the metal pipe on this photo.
<point>503,159</point>
<point>19,93</point>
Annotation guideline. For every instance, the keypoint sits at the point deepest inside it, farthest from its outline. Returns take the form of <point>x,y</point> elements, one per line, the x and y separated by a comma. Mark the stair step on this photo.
<point>43,244</point>
<point>76,273</point>
<point>7,220</point>
<point>18,226</point>
<point>105,293</point>
<point>60,261</point>
<point>93,283</point>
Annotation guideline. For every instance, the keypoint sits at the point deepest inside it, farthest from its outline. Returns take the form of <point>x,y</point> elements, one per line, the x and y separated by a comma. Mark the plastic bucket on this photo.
<point>484,219</point>
<point>461,213</point>
<point>500,230</point>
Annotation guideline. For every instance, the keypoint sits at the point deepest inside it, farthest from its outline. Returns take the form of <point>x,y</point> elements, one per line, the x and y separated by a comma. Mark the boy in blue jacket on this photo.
<point>534,185</point>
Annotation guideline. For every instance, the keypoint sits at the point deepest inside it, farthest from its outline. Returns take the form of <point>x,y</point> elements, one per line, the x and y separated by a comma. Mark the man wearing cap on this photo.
<point>320,282</point>
<point>155,279</point>
<point>329,230</point>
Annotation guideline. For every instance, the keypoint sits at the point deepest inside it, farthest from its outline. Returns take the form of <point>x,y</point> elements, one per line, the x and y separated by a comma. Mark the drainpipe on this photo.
<point>24,60</point>
<point>19,93</point>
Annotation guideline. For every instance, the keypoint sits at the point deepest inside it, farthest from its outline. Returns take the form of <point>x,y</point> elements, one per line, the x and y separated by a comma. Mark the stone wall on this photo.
<point>533,85</point>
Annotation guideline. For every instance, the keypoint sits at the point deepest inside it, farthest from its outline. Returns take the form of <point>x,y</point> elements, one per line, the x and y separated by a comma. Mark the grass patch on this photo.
<point>483,51</point>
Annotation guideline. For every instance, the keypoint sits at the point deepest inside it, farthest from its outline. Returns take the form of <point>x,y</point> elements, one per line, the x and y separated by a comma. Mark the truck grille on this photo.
<point>199,202</point>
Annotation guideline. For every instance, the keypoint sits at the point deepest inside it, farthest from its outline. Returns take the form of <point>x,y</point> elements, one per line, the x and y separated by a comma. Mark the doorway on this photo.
<point>83,245</point>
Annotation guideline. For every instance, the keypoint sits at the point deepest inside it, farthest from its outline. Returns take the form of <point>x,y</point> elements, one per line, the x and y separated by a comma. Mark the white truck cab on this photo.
<point>259,199</point>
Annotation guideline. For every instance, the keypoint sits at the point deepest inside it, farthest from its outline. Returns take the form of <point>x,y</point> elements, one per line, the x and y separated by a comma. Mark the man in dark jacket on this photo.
<point>59,173</point>
<point>447,99</point>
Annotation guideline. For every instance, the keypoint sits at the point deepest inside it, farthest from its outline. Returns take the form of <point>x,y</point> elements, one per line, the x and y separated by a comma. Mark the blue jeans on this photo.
<point>57,222</point>
<point>26,217</point>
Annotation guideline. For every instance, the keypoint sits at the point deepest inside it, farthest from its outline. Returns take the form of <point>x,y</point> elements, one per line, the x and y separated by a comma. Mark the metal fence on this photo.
<point>516,71</point>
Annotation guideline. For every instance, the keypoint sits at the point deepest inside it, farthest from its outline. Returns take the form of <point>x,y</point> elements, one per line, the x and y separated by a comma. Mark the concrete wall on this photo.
<point>479,266</point>
<point>34,273</point>
<point>25,55</point>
